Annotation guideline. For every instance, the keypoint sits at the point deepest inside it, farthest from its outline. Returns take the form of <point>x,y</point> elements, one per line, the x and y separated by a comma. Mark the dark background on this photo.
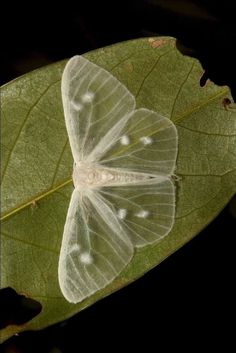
<point>188,300</point>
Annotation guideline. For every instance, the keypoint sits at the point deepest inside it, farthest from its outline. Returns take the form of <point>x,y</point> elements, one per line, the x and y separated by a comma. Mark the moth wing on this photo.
<point>94,103</point>
<point>148,144</point>
<point>95,247</point>
<point>146,211</point>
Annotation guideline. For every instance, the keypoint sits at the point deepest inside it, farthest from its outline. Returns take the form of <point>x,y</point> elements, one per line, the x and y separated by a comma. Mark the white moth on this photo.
<point>124,196</point>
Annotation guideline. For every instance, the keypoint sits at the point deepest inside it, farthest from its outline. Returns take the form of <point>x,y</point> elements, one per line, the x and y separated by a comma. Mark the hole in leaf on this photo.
<point>16,309</point>
<point>203,79</point>
<point>226,102</point>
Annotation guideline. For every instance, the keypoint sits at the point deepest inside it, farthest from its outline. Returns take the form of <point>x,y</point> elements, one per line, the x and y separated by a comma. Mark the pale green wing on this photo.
<point>146,211</point>
<point>95,247</point>
<point>148,144</point>
<point>94,103</point>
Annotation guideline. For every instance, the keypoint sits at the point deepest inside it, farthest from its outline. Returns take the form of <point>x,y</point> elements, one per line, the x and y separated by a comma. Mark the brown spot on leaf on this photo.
<point>157,43</point>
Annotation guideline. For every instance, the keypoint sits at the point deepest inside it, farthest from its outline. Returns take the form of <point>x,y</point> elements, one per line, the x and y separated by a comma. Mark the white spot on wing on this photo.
<point>125,140</point>
<point>142,214</point>
<point>75,247</point>
<point>86,258</point>
<point>77,106</point>
<point>146,140</point>
<point>122,213</point>
<point>87,97</point>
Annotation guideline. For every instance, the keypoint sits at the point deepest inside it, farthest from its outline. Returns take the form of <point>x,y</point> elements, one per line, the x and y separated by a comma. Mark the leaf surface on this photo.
<point>37,166</point>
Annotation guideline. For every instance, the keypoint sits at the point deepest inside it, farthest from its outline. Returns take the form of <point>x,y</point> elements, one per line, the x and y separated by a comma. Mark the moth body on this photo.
<point>93,176</point>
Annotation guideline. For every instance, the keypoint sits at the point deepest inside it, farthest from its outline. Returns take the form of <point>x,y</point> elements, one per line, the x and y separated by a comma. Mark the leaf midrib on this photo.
<point>35,199</point>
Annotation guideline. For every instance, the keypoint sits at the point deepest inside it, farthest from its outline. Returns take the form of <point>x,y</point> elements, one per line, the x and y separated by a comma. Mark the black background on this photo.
<point>188,300</point>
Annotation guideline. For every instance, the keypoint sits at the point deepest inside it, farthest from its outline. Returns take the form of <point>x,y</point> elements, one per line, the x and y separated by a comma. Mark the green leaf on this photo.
<point>37,165</point>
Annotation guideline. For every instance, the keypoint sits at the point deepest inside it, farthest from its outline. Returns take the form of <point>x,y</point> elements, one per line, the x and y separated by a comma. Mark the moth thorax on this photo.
<point>90,176</point>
